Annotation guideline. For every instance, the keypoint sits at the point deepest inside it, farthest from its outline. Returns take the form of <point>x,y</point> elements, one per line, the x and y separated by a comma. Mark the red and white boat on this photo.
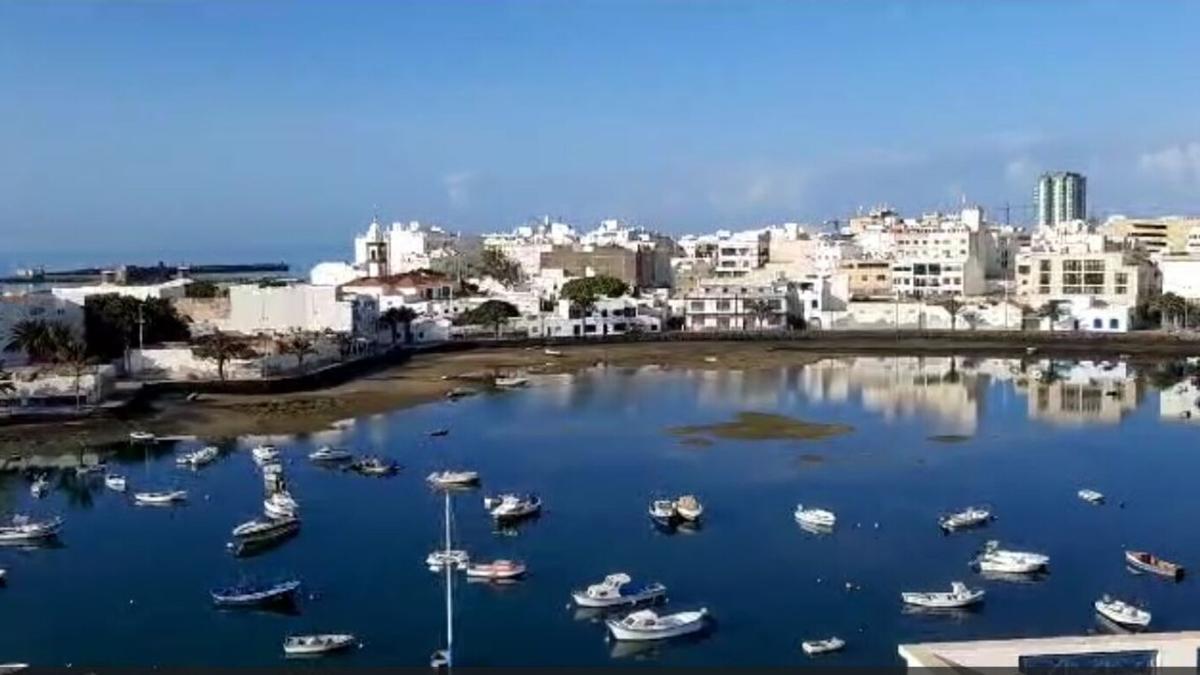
<point>1145,562</point>
<point>496,570</point>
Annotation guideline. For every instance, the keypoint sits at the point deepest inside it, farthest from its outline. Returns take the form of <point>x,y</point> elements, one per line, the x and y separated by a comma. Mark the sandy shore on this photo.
<point>426,378</point>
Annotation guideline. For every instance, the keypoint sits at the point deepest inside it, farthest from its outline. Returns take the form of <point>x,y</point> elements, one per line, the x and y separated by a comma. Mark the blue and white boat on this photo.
<point>256,594</point>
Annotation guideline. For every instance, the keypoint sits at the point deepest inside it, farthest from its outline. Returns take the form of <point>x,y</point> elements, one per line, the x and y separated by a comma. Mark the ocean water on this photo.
<point>929,435</point>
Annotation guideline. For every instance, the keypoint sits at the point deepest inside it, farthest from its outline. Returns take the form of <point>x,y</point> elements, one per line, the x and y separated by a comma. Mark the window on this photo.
<point>1114,324</point>
<point>1043,265</point>
<point>1072,265</point>
<point>696,305</point>
<point>1097,323</point>
<point>723,305</point>
<point>814,304</point>
<point>1093,265</point>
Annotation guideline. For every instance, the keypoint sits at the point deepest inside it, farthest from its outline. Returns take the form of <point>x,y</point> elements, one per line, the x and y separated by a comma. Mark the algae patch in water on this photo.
<point>950,438</point>
<point>754,426</point>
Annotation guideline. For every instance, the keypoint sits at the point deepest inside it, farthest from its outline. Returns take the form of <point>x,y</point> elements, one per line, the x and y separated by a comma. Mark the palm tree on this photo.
<point>221,347</point>
<point>72,352</point>
<point>760,309</point>
<point>300,345</point>
<point>1054,311</point>
<point>33,337</point>
<point>1171,308</point>
<point>396,317</point>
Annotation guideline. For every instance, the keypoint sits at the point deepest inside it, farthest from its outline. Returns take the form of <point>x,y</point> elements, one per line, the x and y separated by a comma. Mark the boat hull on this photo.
<point>689,627</point>
<point>284,593</point>
<point>1163,569</point>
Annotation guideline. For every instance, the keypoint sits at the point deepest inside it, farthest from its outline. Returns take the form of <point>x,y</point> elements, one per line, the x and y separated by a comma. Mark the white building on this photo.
<point>940,255</point>
<point>34,306</point>
<point>741,254</point>
<point>400,248</point>
<point>278,309</point>
<point>609,316</point>
<point>175,288</point>
<point>731,306</point>
<point>415,290</point>
<point>525,244</point>
<point>1181,275</point>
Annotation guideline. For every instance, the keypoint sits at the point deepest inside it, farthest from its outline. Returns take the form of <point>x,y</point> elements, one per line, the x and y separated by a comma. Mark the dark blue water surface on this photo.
<point>130,585</point>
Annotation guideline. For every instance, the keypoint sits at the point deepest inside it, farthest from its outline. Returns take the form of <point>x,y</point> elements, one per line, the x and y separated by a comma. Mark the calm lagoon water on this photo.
<point>130,585</point>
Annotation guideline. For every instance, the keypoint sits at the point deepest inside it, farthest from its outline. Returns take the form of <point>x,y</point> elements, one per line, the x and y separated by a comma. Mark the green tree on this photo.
<point>494,313</point>
<point>298,344</point>
<point>1055,311</point>
<point>395,318</point>
<point>115,323</point>
<point>205,289</point>
<point>972,319</point>
<point>1171,309</point>
<point>953,306</point>
<point>493,263</point>
<point>221,348</point>
<point>584,291</point>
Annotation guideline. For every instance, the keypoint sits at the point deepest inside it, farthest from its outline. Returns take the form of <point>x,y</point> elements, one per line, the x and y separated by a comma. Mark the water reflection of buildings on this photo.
<point>1180,402</point>
<point>947,389</point>
<point>1086,392</point>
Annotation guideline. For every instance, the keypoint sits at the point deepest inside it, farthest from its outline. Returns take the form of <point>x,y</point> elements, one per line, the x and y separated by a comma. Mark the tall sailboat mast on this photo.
<point>449,592</point>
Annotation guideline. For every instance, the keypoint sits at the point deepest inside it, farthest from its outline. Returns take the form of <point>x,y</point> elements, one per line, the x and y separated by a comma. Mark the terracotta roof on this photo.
<point>415,279</point>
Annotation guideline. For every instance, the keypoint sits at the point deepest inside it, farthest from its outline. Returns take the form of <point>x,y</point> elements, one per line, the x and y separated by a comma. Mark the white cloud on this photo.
<point>1178,164</point>
<point>458,187</point>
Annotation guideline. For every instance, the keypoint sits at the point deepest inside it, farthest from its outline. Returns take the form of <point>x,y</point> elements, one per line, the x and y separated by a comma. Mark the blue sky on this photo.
<point>260,125</point>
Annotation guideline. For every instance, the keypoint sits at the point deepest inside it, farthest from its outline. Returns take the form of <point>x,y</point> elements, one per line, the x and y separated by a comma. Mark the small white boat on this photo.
<point>959,596</point>
<point>328,454</point>
<point>256,595</point>
<point>645,624</point>
<point>264,454</point>
<point>663,511</point>
<point>23,528</point>
<point>3,576</point>
<point>510,507</point>
<point>967,518</point>
<point>199,458</point>
<point>814,647</point>
<point>115,482</point>
<point>689,508</point>
<point>316,645</point>
<point>995,559</point>
<point>141,436</point>
<point>1091,496</point>
<point>281,505</point>
<point>451,479</point>
<point>816,518</point>
<point>710,359</point>
<point>511,382</point>
<point>1122,613</point>
<point>498,570</point>
<point>608,593</point>
<point>552,352</point>
<point>6,668</point>
<point>40,487</point>
<point>160,498</point>
<point>265,528</point>
<point>456,558</point>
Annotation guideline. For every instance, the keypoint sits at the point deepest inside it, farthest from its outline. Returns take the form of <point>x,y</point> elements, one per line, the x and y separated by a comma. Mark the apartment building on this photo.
<point>1112,275</point>
<point>1158,236</point>
<point>742,253</point>
<point>868,278</point>
<point>739,306</point>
